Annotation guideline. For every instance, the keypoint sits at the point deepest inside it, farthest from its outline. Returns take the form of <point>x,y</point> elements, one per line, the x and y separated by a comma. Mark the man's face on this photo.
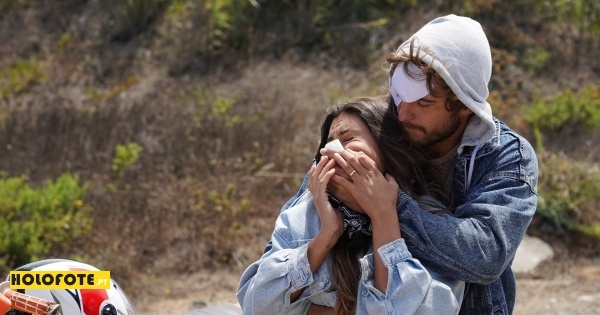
<point>430,125</point>
<point>424,117</point>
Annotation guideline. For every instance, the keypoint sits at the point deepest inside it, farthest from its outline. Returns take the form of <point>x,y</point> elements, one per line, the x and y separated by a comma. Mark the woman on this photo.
<point>321,256</point>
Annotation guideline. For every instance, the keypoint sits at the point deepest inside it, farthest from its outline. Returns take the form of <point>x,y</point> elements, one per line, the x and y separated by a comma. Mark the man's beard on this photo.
<point>434,136</point>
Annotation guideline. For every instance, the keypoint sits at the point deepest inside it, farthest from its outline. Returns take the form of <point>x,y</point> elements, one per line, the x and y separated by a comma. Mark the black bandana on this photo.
<point>358,230</point>
<point>357,226</point>
<point>355,222</point>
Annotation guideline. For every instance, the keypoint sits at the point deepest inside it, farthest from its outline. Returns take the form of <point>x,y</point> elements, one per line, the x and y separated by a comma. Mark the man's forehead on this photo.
<point>407,87</point>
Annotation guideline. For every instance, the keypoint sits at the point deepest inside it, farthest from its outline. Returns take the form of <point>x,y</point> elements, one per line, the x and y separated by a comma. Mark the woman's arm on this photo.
<point>379,204</point>
<point>317,251</point>
<point>330,219</point>
<point>278,279</point>
<point>267,284</point>
<point>315,309</point>
<point>411,288</point>
<point>385,230</point>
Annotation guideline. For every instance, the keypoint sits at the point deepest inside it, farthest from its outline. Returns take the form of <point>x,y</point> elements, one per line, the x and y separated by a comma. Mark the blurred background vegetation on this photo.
<point>147,136</point>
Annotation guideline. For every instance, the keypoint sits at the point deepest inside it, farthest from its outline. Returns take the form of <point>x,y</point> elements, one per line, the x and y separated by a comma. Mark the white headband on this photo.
<point>404,88</point>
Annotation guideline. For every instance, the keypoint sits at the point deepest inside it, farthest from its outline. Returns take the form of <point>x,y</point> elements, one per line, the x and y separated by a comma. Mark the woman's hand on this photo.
<point>332,226</point>
<point>338,190</point>
<point>331,219</point>
<point>375,193</point>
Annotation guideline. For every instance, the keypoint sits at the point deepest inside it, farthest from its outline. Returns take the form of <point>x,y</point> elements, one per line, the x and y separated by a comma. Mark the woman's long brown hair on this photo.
<point>400,160</point>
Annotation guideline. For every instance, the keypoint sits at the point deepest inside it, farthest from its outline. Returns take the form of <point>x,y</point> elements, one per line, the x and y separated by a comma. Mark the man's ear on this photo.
<point>465,112</point>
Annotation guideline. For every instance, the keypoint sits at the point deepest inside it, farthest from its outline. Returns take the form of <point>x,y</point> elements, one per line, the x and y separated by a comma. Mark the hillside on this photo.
<point>183,125</point>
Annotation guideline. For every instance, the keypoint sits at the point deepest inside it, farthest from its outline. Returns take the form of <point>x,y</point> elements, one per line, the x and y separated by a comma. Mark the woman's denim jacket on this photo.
<point>478,241</point>
<point>266,285</point>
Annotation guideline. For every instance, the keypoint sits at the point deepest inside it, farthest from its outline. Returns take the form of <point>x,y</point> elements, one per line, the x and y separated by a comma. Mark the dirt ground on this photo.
<point>560,288</point>
<point>563,287</point>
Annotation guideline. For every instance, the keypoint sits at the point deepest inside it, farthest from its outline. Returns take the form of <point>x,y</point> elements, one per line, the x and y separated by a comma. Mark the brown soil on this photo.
<point>565,287</point>
<point>560,287</point>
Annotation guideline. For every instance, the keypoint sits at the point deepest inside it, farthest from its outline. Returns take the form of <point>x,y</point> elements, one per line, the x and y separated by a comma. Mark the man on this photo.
<point>438,87</point>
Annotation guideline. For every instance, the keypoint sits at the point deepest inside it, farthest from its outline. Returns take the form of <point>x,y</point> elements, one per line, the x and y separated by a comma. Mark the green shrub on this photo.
<point>584,14</point>
<point>534,59</point>
<point>569,194</point>
<point>125,156</point>
<point>34,221</point>
<point>63,42</point>
<point>227,206</point>
<point>18,76</point>
<point>567,108</point>
<point>224,22</point>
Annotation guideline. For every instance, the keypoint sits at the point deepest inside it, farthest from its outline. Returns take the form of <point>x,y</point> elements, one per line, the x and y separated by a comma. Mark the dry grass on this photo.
<point>208,184</point>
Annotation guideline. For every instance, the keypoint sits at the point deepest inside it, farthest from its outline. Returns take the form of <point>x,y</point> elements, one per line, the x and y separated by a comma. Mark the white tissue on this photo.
<point>335,146</point>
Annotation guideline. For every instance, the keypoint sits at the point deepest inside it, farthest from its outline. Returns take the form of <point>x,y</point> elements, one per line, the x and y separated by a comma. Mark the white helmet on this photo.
<point>112,301</point>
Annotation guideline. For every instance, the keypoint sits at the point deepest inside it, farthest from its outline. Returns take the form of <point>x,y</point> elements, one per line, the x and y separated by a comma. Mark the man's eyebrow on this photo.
<point>424,99</point>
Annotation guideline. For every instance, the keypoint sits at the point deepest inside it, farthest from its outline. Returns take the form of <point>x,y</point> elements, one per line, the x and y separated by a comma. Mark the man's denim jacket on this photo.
<point>266,285</point>
<point>478,241</point>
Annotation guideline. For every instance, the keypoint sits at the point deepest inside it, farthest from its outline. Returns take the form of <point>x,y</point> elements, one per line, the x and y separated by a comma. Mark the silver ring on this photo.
<point>352,173</point>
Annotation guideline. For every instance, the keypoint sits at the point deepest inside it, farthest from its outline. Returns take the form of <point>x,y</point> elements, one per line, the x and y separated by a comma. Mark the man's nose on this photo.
<point>405,112</point>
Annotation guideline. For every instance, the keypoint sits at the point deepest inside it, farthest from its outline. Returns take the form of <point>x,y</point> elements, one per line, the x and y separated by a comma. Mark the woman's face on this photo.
<point>354,134</point>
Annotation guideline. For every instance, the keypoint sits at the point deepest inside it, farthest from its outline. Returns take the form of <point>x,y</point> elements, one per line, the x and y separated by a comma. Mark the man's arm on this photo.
<point>479,240</point>
<point>476,243</point>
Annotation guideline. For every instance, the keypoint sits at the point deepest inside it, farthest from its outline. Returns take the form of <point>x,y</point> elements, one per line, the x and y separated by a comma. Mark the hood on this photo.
<point>459,51</point>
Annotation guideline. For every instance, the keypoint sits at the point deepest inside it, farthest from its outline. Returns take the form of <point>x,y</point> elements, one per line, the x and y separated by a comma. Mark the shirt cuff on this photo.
<point>391,254</point>
<point>394,253</point>
<point>300,273</point>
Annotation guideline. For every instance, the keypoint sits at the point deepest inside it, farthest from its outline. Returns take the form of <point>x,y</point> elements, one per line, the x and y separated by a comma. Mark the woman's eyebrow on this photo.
<point>341,133</point>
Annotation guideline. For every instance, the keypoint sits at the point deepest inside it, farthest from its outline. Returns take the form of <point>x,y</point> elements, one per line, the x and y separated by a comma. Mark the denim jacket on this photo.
<point>478,241</point>
<point>266,285</point>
